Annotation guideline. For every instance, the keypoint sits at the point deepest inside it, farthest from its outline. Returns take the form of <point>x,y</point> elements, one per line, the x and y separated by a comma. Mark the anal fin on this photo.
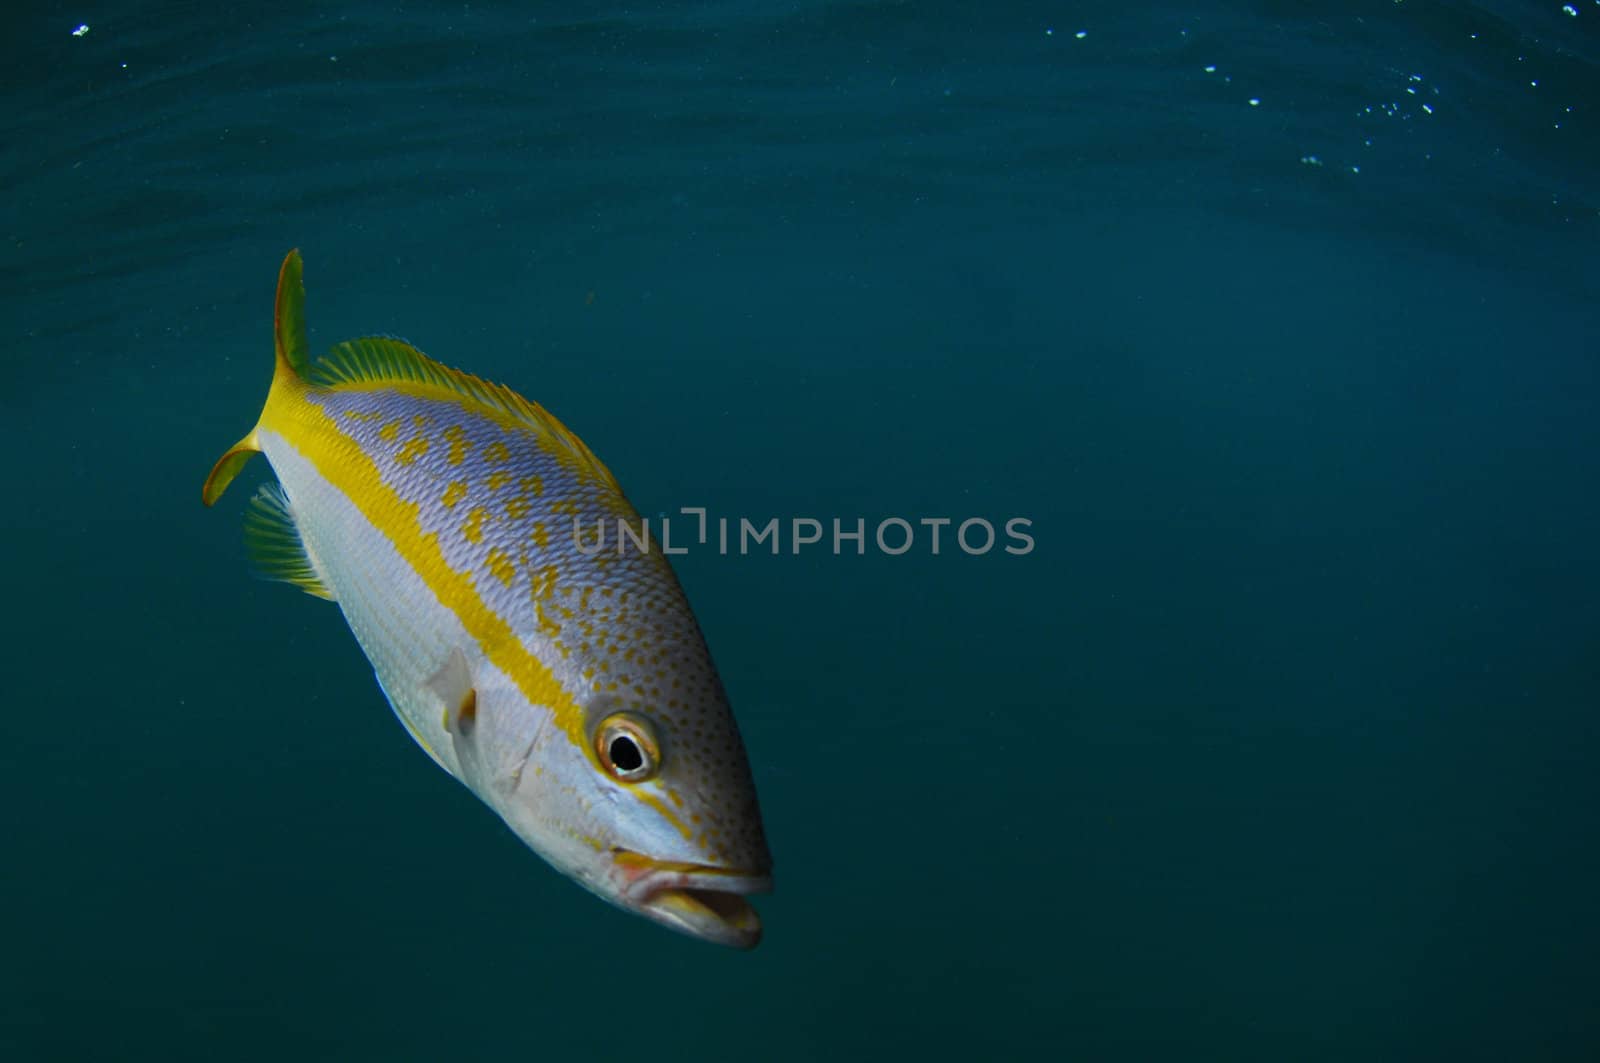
<point>274,545</point>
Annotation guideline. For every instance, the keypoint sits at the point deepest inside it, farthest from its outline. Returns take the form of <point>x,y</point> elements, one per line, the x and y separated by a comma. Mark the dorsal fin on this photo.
<point>383,361</point>
<point>273,542</point>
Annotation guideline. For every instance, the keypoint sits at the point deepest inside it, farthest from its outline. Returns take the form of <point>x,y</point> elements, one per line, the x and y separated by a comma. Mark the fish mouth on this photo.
<point>701,900</point>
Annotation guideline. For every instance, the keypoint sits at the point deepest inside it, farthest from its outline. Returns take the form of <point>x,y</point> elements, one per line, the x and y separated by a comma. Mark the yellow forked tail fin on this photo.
<point>291,360</point>
<point>289,317</point>
<point>227,467</point>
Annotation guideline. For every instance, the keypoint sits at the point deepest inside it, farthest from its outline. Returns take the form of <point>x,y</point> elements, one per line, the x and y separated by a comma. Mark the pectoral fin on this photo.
<point>452,684</point>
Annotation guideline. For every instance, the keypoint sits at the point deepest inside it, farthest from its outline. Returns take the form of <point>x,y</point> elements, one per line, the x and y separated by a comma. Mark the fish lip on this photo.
<point>702,900</point>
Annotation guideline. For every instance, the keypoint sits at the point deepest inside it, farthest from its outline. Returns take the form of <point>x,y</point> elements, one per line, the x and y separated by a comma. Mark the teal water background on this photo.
<point>1281,744</point>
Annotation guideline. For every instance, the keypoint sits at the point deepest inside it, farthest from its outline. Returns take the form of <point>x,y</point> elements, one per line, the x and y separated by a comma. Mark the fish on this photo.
<point>569,687</point>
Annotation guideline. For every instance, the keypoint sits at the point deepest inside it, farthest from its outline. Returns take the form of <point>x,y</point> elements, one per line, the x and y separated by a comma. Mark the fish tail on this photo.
<point>291,369</point>
<point>289,319</point>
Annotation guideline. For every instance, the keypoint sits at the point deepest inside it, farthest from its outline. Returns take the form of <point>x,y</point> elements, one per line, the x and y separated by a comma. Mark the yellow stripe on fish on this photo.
<point>439,511</point>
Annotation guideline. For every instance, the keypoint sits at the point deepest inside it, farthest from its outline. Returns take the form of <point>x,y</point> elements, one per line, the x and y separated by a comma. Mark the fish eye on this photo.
<point>627,747</point>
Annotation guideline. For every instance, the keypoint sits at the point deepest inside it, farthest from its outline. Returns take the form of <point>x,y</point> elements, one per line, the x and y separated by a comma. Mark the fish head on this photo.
<point>683,840</point>
<point>648,801</point>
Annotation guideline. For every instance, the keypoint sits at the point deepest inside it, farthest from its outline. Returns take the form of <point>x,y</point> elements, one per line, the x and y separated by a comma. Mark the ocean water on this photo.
<point>1276,320</point>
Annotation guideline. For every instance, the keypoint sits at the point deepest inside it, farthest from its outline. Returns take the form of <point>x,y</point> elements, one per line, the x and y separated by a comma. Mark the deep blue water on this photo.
<point>1281,744</point>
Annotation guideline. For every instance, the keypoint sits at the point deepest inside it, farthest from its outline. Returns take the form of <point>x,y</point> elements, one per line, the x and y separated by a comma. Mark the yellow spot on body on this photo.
<point>459,444</point>
<point>517,508</point>
<point>500,565</point>
<point>472,530</point>
<point>498,479</point>
<point>362,415</point>
<point>314,432</point>
<point>389,432</point>
<point>542,584</point>
<point>496,453</point>
<point>541,535</point>
<point>413,450</point>
<point>531,485</point>
<point>454,493</point>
